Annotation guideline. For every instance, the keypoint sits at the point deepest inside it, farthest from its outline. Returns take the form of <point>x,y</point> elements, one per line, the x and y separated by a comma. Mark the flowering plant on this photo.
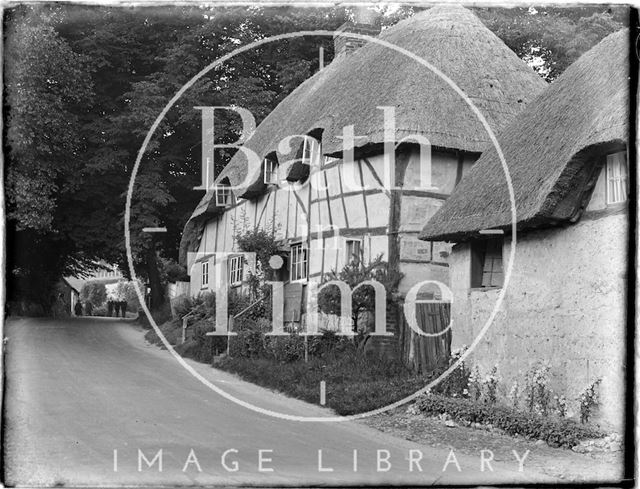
<point>491,381</point>
<point>514,395</point>
<point>536,390</point>
<point>588,400</point>
<point>474,388</point>
<point>561,406</point>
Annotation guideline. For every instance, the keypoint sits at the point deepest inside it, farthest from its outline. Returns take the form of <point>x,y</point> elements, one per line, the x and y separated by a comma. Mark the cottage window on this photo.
<point>617,178</point>
<point>311,154</point>
<point>235,270</point>
<point>223,195</point>
<point>299,263</point>
<point>354,247</point>
<point>486,263</point>
<point>270,171</point>
<point>205,274</point>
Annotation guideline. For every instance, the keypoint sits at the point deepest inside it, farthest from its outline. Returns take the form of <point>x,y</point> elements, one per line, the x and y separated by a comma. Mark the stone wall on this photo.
<point>565,304</point>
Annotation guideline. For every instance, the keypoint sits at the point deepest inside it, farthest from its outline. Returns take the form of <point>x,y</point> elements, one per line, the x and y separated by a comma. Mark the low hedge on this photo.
<point>556,432</point>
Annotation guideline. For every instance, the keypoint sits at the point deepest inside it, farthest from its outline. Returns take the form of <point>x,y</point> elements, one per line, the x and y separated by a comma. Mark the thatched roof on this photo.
<point>349,90</point>
<point>549,151</point>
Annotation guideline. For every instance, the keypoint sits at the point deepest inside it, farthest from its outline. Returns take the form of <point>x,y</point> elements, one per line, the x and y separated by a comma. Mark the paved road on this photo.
<point>79,389</point>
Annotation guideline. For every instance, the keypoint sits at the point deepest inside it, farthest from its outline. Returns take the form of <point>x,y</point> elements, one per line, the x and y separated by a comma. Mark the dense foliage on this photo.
<point>93,292</point>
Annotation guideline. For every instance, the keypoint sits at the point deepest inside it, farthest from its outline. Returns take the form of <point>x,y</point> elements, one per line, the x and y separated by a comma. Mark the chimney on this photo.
<point>364,23</point>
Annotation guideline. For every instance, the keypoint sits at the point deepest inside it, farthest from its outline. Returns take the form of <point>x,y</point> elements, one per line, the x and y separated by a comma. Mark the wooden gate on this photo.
<point>425,353</point>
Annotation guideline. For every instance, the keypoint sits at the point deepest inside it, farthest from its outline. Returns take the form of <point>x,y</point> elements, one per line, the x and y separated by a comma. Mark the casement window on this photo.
<point>617,178</point>
<point>205,275</point>
<point>486,263</point>
<point>223,195</point>
<point>353,250</point>
<point>235,265</point>
<point>298,263</point>
<point>270,171</point>
<point>311,153</point>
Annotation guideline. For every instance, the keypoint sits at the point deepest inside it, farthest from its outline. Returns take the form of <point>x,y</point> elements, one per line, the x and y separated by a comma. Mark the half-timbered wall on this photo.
<point>422,260</point>
<point>347,201</point>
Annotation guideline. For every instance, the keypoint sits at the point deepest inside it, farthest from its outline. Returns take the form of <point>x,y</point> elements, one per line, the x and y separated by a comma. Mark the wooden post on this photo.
<point>395,211</point>
<point>229,336</point>
<point>184,329</point>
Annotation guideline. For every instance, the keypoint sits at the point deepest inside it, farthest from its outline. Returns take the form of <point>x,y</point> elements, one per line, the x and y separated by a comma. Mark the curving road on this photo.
<point>79,391</point>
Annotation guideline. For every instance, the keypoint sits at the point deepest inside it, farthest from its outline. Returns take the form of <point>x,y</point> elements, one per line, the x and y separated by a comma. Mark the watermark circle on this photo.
<point>321,419</point>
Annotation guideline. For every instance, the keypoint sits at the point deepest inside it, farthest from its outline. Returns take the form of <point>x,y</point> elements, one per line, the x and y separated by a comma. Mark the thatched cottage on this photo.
<point>346,204</point>
<point>565,300</point>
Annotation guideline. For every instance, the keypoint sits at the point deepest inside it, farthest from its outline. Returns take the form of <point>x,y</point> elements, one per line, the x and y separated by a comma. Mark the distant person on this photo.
<point>78,308</point>
<point>88,309</point>
<point>116,307</point>
<point>123,308</point>
<point>110,307</point>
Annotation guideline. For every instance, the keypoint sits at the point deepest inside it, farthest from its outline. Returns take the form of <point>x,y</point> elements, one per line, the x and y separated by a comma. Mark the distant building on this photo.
<point>109,275</point>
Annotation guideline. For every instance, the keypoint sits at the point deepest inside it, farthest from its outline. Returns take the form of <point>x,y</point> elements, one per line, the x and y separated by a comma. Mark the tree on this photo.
<point>550,39</point>
<point>94,292</point>
<point>47,91</point>
<point>126,291</point>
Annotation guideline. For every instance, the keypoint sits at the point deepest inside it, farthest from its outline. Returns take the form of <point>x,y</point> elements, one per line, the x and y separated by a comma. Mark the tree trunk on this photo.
<point>157,294</point>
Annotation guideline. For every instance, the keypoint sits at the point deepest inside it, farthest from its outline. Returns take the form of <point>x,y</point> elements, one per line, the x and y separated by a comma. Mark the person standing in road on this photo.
<point>116,307</point>
<point>123,308</point>
<point>110,307</point>
<point>78,308</point>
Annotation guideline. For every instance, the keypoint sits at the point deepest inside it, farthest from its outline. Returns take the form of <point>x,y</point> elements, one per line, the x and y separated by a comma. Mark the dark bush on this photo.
<point>285,349</point>
<point>172,331</point>
<point>249,343</point>
<point>556,432</point>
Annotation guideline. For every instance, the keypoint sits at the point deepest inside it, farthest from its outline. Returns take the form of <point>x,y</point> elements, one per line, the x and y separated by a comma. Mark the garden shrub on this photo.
<point>286,349</point>
<point>172,331</point>
<point>249,343</point>
<point>199,346</point>
<point>556,432</point>
<point>456,384</point>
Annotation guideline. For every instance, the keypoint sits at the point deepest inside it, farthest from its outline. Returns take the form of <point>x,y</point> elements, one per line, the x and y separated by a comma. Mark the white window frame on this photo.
<point>298,263</point>
<point>617,178</point>
<point>311,152</point>
<point>270,172</point>
<point>236,270</point>
<point>223,195</point>
<point>349,256</point>
<point>204,270</point>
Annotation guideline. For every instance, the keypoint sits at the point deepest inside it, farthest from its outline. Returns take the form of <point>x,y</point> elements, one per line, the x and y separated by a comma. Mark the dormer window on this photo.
<point>270,170</point>
<point>308,156</point>
<point>223,194</point>
<point>617,178</point>
<point>311,154</point>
